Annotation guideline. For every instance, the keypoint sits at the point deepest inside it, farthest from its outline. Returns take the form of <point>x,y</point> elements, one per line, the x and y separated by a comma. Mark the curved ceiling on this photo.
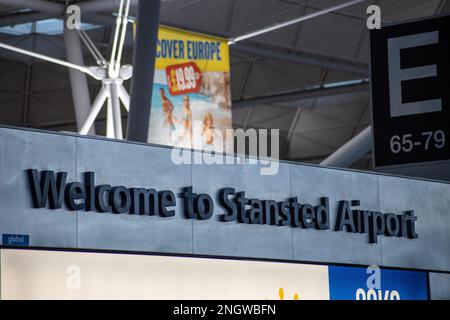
<point>309,80</point>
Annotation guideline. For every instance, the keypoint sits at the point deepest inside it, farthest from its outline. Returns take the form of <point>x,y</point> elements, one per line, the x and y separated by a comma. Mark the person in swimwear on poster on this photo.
<point>167,107</point>
<point>208,129</point>
<point>187,120</point>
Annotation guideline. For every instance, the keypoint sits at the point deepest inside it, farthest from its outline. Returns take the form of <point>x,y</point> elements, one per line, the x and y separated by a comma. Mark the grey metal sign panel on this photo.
<point>132,165</point>
<point>440,286</point>
<point>310,183</point>
<point>139,165</point>
<point>431,201</point>
<point>215,237</point>
<point>20,150</point>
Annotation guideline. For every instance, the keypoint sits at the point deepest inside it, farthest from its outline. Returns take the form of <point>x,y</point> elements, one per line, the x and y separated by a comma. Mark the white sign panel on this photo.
<point>30,274</point>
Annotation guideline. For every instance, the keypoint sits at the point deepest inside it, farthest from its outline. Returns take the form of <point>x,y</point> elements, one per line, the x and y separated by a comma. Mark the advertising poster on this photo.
<point>191,93</point>
<point>351,283</point>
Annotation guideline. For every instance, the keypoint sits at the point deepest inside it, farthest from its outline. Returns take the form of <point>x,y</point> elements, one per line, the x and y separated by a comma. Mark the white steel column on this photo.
<point>96,107</point>
<point>78,80</point>
<point>351,151</point>
<point>109,118</point>
<point>124,97</point>
<point>116,114</point>
<point>296,20</point>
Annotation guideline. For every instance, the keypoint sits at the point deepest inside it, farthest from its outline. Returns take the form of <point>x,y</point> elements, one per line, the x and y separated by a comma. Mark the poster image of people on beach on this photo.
<point>191,101</point>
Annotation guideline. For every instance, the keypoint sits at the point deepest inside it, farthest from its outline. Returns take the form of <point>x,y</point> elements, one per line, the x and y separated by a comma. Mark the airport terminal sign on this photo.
<point>410,74</point>
<point>50,189</point>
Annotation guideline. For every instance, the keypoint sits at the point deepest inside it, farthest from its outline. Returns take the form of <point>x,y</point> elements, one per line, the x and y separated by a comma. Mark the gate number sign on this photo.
<point>410,79</point>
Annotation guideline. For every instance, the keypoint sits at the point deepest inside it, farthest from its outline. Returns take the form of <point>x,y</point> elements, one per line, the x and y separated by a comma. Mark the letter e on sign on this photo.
<point>397,74</point>
<point>409,79</point>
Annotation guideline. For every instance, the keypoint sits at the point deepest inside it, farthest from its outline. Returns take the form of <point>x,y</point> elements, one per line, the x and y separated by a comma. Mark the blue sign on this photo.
<point>352,283</point>
<point>15,240</point>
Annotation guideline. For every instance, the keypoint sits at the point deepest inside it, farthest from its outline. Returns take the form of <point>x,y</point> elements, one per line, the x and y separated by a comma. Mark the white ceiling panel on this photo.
<point>324,123</point>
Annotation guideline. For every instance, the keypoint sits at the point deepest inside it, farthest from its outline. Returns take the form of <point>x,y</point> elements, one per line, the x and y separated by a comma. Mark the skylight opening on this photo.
<point>48,27</point>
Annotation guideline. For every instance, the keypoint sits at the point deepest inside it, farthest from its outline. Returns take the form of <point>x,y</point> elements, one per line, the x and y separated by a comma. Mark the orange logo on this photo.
<point>281,294</point>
